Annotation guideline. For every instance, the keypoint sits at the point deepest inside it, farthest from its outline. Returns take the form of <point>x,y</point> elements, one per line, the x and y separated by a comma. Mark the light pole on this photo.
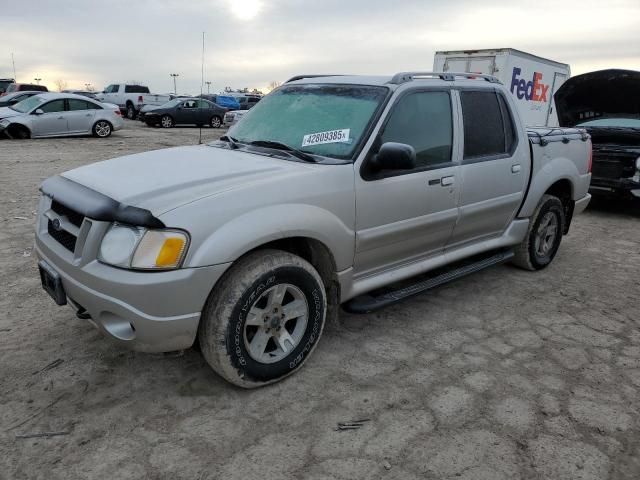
<point>208,87</point>
<point>174,75</point>
<point>37,80</point>
<point>88,86</point>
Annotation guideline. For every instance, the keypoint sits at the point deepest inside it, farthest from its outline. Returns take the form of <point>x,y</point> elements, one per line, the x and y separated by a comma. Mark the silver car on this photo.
<point>59,115</point>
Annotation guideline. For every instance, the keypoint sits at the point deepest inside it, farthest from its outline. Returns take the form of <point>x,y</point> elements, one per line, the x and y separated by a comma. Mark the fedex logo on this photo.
<point>532,90</point>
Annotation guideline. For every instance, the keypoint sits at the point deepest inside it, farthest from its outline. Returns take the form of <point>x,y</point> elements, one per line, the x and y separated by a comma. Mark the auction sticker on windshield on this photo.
<point>332,136</point>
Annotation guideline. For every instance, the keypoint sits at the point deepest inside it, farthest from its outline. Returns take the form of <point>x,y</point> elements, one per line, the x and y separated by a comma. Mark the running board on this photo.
<point>386,296</point>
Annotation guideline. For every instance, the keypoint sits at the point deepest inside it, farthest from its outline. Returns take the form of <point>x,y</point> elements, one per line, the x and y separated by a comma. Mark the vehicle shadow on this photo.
<point>615,206</point>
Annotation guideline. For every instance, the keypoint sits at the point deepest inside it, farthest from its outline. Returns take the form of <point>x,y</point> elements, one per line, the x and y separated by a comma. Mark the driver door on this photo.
<point>52,122</point>
<point>407,215</point>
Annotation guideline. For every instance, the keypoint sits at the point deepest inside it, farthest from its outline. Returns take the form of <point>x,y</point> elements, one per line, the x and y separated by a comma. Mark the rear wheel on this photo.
<point>264,318</point>
<point>131,112</point>
<point>102,129</point>
<point>166,121</point>
<point>542,242</point>
<point>215,121</point>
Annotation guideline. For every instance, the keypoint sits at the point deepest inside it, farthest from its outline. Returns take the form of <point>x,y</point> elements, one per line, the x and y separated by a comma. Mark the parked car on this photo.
<point>58,115</point>
<point>130,98</point>
<point>24,87</point>
<point>233,117</point>
<point>15,97</point>
<point>4,83</point>
<point>225,101</point>
<point>84,93</point>
<point>250,242</point>
<point>612,118</point>
<point>189,111</point>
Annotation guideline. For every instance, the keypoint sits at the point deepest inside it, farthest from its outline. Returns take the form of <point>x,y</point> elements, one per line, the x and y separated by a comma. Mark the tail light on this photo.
<point>590,158</point>
<point>139,98</point>
<point>117,112</point>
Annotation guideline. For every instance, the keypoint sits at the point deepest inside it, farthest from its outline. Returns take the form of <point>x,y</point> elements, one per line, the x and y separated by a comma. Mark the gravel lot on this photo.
<point>506,374</point>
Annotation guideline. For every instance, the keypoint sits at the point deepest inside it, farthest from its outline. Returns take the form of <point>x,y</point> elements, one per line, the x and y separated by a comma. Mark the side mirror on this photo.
<point>38,111</point>
<point>395,156</point>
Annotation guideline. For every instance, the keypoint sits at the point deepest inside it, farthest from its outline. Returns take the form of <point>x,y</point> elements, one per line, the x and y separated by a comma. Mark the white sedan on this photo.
<point>59,115</point>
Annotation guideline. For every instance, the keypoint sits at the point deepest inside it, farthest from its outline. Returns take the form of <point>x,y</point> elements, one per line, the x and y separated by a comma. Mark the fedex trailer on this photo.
<point>532,80</point>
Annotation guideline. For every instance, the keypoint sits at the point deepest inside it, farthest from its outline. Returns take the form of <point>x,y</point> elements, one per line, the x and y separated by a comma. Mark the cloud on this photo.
<point>252,42</point>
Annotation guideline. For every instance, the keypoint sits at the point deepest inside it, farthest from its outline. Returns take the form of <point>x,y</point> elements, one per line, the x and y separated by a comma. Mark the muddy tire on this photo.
<point>18,132</point>
<point>263,319</point>
<point>541,244</point>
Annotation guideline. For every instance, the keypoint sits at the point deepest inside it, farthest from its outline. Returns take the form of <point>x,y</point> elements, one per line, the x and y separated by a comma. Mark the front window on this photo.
<point>327,119</point>
<point>27,105</point>
<point>172,103</point>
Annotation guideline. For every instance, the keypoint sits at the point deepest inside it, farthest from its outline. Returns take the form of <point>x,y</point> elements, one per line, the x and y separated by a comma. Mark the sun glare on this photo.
<point>245,9</point>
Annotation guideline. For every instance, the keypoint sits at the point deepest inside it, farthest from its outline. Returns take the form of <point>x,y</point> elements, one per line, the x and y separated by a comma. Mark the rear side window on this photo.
<point>75,104</point>
<point>135,89</point>
<point>111,89</point>
<point>424,121</point>
<point>488,126</point>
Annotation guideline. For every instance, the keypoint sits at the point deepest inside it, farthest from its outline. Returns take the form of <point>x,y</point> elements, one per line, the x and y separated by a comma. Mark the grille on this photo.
<point>63,237</point>
<point>613,165</point>
<point>73,216</point>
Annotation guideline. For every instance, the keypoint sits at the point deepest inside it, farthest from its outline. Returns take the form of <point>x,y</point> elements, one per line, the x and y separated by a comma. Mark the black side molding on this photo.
<point>96,205</point>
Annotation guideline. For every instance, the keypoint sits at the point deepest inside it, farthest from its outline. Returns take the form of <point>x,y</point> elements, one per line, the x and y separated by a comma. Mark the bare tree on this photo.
<point>273,85</point>
<point>61,84</point>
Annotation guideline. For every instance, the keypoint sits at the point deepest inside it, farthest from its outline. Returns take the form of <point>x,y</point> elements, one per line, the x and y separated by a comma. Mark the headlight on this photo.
<point>142,249</point>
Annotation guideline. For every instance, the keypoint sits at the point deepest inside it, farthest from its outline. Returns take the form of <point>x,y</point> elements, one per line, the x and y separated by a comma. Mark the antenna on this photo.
<point>201,87</point>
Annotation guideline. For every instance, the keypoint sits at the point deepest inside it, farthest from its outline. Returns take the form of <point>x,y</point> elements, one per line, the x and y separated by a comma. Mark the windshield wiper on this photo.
<point>233,143</point>
<point>283,146</point>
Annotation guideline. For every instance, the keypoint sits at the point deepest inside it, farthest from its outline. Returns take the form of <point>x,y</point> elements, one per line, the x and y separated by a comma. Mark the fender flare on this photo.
<point>275,222</point>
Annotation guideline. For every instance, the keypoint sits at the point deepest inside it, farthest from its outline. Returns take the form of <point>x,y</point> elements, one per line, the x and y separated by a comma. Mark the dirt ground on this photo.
<point>505,374</point>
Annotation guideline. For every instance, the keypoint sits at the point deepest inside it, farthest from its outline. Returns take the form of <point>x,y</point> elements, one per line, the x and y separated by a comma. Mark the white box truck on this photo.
<point>532,80</point>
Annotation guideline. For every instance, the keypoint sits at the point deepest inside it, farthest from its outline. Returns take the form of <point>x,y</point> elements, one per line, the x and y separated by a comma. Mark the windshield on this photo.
<point>26,105</point>
<point>325,119</point>
<point>612,122</point>
<point>172,103</point>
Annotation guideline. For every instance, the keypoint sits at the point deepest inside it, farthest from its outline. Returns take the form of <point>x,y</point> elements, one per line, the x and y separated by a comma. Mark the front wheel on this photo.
<point>102,129</point>
<point>264,318</point>
<point>542,242</point>
<point>166,121</point>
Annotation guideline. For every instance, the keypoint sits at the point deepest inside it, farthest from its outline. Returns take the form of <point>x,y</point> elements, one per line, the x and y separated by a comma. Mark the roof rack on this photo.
<point>300,77</point>
<point>404,77</point>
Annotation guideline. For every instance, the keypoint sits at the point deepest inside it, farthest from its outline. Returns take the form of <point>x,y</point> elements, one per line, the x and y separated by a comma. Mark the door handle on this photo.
<point>88,115</point>
<point>515,168</point>
<point>447,181</point>
<point>60,118</point>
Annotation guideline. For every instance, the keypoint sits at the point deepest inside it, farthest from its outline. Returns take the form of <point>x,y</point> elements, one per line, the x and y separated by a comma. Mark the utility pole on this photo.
<point>15,78</point>
<point>174,75</point>
<point>37,80</point>
<point>208,87</point>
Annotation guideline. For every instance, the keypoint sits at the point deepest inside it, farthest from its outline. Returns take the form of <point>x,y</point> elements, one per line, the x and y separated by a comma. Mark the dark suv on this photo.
<point>4,83</point>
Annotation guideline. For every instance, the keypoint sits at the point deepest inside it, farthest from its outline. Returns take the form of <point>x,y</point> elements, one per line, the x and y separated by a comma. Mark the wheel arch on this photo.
<point>12,127</point>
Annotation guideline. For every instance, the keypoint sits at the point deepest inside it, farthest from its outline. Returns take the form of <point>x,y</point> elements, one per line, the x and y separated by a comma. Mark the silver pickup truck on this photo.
<point>337,190</point>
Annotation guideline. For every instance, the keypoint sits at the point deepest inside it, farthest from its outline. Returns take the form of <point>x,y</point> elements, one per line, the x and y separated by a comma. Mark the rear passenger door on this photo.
<point>406,215</point>
<point>494,169</point>
<point>80,115</point>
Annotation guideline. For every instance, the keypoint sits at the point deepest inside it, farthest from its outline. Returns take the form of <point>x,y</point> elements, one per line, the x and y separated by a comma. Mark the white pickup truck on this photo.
<point>130,98</point>
<point>333,190</point>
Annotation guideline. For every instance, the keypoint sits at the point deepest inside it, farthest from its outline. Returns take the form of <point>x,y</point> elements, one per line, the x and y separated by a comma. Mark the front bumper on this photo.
<point>144,311</point>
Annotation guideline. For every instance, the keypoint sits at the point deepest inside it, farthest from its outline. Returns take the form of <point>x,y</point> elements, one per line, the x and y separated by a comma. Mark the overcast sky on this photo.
<point>250,43</point>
